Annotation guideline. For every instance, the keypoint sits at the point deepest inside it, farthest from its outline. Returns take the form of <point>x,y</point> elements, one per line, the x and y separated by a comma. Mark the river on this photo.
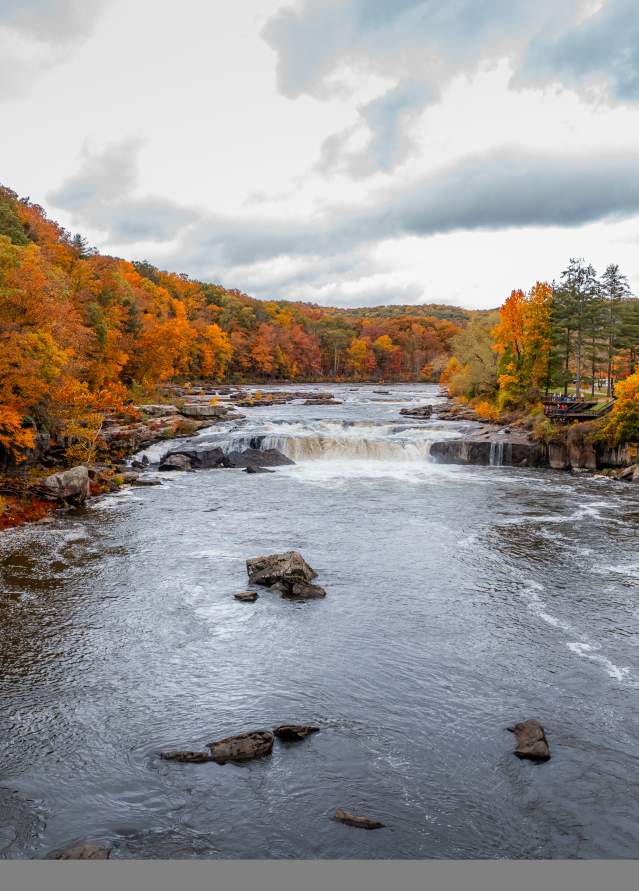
<point>460,600</point>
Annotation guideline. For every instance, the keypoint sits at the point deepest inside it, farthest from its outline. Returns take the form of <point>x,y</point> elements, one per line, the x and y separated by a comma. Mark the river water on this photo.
<point>460,600</point>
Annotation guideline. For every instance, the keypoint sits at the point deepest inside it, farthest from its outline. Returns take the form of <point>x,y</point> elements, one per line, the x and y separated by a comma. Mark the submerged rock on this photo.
<point>254,468</point>
<point>68,486</point>
<point>293,732</point>
<point>85,852</point>
<point>186,757</point>
<point>360,822</point>
<point>247,596</point>
<point>289,567</point>
<point>243,747</point>
<point>531,740</point>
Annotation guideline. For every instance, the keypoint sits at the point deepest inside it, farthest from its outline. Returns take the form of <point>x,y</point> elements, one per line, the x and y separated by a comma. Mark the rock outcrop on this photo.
<point>243,747</point>
<point>531,740</point>
<point>68,486</point>
<point>199,459</point>
<point>288,568</point>
<point>302,591</point>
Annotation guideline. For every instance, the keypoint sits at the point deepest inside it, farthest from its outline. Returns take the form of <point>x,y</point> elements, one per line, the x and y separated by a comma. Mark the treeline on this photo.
<point>82,333</point>
<point>578,336</point>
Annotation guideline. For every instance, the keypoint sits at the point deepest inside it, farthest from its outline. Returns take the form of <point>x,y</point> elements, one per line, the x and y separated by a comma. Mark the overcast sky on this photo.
<point>347,152</point>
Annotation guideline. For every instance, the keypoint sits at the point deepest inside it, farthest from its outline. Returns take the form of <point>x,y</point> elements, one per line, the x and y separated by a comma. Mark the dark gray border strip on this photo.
<point>344,875</point>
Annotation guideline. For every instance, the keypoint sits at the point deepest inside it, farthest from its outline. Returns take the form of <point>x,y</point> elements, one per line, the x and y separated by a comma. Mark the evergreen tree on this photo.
<point>614,288</point>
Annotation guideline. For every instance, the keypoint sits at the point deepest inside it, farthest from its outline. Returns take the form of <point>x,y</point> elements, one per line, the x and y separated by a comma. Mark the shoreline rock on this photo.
<point>294,732</point>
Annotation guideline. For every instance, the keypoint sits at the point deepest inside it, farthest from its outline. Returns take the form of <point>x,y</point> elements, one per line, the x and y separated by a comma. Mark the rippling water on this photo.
<point>460,600</point>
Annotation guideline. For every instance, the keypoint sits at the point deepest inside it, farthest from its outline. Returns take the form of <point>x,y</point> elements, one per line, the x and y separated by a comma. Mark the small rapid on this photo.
<point>460,599</point>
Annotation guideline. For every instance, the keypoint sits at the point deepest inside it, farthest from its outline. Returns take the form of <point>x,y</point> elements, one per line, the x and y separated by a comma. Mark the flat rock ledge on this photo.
<point>360,822</point>
<point>531,740</point>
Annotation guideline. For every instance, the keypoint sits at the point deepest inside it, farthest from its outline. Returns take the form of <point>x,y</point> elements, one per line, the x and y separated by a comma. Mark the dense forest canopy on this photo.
<point>82,332</point>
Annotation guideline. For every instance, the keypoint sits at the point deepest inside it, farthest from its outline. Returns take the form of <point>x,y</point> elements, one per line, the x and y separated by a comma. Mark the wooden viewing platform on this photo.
<point>569,408</point>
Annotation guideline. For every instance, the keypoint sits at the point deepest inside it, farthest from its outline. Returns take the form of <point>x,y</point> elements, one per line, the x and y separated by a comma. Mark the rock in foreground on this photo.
<point>68,486</point>
<point>289,568</point>
<point>294,732</point>
<point>360,822</point>
<point>243,747</point>
<point>85,852</point>
<point>531,740</point>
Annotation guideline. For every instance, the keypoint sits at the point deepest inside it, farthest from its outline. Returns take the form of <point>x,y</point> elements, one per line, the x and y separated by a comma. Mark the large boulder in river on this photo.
<point>531,740</point>
<point>289,568</point>
<point>201,459</point>
<point>243,747</point>
<point>68,486</point>
<point>257,458</point>
<point>175,461</point>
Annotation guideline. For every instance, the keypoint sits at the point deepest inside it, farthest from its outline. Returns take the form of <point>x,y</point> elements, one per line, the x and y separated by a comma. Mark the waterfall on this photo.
<point>500,453</point>
<point>336,441</point>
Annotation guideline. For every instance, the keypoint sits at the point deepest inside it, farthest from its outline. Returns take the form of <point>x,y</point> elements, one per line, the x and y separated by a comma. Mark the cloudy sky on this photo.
<point>347,152</point>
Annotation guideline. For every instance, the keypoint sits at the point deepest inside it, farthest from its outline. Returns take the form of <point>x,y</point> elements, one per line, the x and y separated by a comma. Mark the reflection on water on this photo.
<point>459,600</point>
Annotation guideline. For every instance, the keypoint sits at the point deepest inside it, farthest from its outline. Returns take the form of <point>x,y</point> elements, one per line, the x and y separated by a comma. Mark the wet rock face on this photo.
<point>243,747</point>
<point>531,740</point>
<point>360,822</point>
<point>68,486</point>
<point>294,732</point>
<point>290,568</point>
<point>85,852</point>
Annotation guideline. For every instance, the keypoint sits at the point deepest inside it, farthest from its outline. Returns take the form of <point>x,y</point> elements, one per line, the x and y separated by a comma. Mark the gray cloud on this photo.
<point>501,189</point>
<point>601,52</point>
<point>51,21</point>
<point>496,190</point>
<point>422,44</point>
<point>36,35</point>
<point>99,196</point>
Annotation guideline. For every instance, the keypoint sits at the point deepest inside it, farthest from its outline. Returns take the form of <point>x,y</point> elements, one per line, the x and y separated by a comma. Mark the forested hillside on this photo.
<point>83,332</point>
